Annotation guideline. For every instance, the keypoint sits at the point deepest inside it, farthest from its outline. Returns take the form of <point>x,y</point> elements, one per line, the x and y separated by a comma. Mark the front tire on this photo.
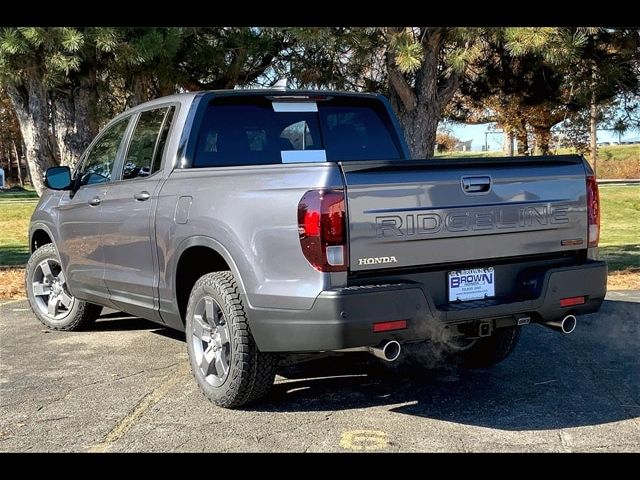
<point>49,297</point>
<point>225,360</point>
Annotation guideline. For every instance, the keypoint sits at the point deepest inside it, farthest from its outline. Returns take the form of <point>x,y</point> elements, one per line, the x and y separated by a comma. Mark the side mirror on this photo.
<point>58,178</point>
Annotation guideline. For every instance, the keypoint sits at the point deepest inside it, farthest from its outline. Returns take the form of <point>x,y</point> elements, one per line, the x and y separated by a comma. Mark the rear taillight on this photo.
<point>322,226</point>
<point>593,211</point>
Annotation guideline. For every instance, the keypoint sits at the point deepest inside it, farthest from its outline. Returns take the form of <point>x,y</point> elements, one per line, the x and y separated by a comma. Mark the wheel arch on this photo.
<point>40,234</point>
<point>212,256</point>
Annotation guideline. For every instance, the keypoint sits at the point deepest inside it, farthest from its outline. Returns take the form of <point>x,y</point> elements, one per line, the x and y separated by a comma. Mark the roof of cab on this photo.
<point>188,97</point>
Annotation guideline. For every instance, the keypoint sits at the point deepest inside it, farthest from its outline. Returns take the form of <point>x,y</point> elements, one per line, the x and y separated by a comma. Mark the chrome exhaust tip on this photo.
<point>566,325</point>
<point>388,351</point>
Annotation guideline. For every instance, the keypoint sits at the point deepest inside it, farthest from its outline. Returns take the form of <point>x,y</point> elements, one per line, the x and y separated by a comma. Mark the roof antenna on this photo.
<point>281,84</point>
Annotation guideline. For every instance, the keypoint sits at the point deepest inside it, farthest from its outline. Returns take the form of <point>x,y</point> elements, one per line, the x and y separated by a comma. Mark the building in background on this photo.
<point>463,146</point>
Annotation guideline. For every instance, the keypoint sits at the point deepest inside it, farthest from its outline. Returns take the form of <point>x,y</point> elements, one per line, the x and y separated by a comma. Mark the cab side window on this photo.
<point>144,156</point>
<point>98,164</point>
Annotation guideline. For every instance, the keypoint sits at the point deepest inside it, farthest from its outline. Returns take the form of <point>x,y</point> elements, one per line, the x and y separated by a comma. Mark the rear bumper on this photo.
<point>343,318</point>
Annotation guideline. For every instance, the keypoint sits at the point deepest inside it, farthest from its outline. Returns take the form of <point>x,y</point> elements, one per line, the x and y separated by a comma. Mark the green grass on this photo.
<point>610,152</point>
<point>620,152</point>
<point>620,224</point>
<point>619,240</point>
<point>18,195</point>
<point>16,208</point>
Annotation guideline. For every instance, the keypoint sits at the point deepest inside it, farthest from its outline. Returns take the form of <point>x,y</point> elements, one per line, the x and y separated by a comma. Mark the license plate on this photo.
<point>471,284</point>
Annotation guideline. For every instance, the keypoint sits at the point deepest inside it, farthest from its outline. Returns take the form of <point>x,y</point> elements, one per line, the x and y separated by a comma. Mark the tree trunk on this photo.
<point>8,157</point>
<point>593,137</point>
<point>522,139</point>
<point>166,88</point>
<point>15,153</point>
<point>23,149</point>
<point>543,140</point>
<point>30,102</point>
<point>75,120</point>
<point>507,143</point>
<point>420,127</point>
<point>420,106</point>
<point>140,85</point>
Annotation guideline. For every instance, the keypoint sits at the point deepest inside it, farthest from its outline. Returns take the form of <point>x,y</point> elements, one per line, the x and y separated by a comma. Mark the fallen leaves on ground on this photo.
<point>12,284</point>
<point>627,279</point>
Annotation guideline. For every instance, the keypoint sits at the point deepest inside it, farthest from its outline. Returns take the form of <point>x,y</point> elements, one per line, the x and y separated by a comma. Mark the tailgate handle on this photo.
<point>476,184</point>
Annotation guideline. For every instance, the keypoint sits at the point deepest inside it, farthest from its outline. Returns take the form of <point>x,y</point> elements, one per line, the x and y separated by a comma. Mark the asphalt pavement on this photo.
<point>125,385</point>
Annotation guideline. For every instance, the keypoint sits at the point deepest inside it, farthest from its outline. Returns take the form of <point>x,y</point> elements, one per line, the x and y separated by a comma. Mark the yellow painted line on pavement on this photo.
<point>364,440</point>
<point>147,402</point>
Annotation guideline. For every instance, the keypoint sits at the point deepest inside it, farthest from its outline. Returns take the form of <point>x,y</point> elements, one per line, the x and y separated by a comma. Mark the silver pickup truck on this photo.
<point>268,223</point>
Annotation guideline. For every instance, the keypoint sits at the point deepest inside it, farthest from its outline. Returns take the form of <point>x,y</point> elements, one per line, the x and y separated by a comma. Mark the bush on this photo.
<point>445,142</point>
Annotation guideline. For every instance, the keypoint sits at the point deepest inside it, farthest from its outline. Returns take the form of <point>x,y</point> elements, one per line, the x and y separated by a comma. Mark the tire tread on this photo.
<point>254,371</point>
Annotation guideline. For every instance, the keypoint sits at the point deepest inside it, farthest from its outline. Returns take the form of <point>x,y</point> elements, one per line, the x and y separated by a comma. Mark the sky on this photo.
<point>477,134</point>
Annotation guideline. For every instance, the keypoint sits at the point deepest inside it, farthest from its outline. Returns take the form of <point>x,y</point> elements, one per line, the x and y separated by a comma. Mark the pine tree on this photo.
<point>419,68</point>
<point>64,83</point>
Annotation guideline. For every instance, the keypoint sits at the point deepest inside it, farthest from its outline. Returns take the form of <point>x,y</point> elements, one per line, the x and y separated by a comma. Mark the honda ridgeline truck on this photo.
<point>267,223</point>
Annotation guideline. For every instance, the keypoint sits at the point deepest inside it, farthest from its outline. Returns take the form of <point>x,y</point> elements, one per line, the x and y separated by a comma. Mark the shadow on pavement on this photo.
<point>120,321</point>
<point>551,381</point>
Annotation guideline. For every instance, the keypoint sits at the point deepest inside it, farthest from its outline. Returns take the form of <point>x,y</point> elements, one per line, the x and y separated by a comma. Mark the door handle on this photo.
<point>142,196</point>
<point>95,201</point>
<point>480,184</point>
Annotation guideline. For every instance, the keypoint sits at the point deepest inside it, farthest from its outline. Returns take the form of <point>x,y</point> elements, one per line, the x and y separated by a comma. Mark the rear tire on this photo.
<point>224,357</point>
<point>49,297</point>
<point>488,351</point>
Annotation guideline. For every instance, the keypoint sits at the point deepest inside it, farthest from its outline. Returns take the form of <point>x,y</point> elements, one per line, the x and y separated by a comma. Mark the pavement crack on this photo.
<point>163,367</point>
<point>565,441</point>
<point>129,376</point>
<point>52,419</point>
<point>143,406</point>
<point>117,379</point>
<point>181,444</point>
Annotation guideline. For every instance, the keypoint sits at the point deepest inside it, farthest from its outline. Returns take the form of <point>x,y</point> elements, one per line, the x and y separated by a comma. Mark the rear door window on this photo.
<point>146,147</point>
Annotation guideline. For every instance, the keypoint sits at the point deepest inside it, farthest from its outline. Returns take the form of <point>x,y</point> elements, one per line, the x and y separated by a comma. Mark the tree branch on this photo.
<point>403,89</point>
<point>448,89</point>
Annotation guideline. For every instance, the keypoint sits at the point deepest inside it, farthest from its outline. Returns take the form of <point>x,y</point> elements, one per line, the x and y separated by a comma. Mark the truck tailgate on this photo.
<point>426,212</point>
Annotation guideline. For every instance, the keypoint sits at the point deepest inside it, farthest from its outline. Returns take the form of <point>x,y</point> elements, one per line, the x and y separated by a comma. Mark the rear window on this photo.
<point>249,131</point>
